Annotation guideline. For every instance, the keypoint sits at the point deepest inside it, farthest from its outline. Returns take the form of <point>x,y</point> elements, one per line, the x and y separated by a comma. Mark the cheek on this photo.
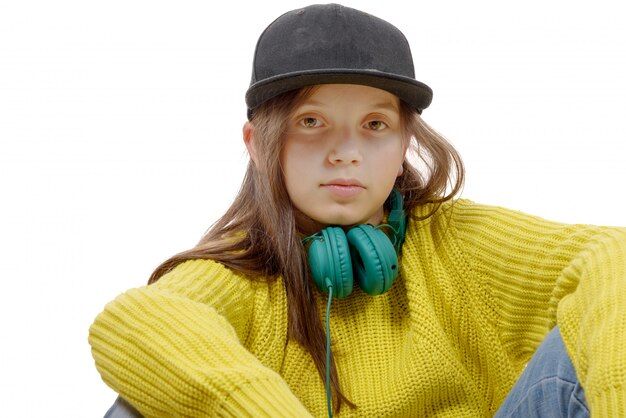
<point>390,158</point>
<point>294,162</point>
<point>296,156</point>
<point>287,157</point>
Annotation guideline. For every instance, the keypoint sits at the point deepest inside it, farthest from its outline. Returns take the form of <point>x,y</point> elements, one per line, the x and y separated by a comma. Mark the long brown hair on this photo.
<point>259,235</point>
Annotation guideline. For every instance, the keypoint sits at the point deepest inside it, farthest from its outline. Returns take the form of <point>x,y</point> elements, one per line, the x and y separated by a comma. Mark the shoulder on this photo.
<point>479,226</point>
<point>205,280</point>
<point>469,215</point>
<point>466,210</point>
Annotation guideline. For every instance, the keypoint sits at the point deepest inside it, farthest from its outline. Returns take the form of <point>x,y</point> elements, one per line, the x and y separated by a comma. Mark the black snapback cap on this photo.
<point>333,44</point>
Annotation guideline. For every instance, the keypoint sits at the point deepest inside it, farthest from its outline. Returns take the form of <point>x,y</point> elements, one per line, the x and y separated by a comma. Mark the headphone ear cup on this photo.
<point>374,259</point>
<point>329,258</point>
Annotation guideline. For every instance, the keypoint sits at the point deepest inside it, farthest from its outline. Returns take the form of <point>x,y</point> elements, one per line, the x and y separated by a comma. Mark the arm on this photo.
<point>539,273</point>
<point>174,348</point>
<point>592,319</point>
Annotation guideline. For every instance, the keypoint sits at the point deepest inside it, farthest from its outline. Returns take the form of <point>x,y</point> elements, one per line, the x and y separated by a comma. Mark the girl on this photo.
<point>442,307</point>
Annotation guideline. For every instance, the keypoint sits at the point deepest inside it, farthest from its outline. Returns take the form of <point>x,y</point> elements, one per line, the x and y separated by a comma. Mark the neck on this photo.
<point>308,226</point>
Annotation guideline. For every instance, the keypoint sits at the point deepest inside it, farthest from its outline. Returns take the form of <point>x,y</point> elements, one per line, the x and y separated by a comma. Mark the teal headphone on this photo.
<point>333,254</point>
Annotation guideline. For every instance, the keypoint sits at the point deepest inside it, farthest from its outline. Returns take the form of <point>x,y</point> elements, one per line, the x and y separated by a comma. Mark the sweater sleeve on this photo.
<point>592,319</point>
<point>174,348</point>
<point>540,273</point>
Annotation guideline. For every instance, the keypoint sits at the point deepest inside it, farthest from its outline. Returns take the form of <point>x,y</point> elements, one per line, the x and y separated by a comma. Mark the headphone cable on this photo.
<point>328,397</point>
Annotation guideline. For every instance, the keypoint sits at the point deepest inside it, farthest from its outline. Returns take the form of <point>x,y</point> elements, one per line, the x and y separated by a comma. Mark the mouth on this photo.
<point>343,183</point>
<point>343,187</point>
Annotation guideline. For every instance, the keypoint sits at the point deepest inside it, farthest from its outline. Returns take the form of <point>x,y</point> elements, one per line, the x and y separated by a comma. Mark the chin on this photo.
<point>339,216</point>
<point>344,219</point>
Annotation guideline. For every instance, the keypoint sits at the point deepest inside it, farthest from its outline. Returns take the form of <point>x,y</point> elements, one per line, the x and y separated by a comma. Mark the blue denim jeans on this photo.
<point>122,409</point>
<point>548,387</point>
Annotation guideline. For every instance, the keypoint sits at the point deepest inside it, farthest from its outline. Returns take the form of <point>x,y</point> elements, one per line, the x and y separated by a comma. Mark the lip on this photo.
<point>343,187</point>
<point>343,182</point>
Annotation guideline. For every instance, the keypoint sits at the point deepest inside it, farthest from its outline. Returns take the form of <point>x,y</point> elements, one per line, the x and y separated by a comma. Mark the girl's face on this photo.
<point>343,150</point>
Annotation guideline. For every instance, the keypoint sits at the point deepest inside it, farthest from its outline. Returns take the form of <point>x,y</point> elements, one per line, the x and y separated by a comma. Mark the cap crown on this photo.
<point>326,44</point>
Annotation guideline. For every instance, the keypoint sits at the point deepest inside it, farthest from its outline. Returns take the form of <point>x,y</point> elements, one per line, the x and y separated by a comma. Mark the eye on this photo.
<point>376,125</point>
<point>310,122</point>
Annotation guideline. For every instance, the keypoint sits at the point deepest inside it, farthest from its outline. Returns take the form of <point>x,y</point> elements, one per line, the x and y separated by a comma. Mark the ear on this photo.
<point>248,139</point>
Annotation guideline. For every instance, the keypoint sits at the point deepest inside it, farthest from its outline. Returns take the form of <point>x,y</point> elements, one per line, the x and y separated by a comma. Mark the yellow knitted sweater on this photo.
<point>479,287</point>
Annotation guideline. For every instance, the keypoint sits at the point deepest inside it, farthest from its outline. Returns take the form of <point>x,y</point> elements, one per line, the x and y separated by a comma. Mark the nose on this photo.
<point>345,148</point>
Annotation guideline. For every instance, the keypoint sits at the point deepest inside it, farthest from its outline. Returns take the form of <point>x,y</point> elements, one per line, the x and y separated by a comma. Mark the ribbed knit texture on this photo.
<point>479,288</point>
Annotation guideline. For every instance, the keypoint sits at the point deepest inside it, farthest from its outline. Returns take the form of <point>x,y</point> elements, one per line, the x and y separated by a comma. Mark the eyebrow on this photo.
<point>381,105</point>
<point>387,105</point>
<point>310,102</point>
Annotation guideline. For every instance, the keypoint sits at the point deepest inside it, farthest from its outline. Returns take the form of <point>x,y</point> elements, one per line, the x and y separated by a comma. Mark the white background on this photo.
<point>120,143</point>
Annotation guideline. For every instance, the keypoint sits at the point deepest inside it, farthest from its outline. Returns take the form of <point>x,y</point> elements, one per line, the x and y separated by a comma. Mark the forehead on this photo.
<point>356,94</point>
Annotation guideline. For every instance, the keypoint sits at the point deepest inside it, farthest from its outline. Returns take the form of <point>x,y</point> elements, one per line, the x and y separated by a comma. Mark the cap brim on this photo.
<point>415,93</point>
